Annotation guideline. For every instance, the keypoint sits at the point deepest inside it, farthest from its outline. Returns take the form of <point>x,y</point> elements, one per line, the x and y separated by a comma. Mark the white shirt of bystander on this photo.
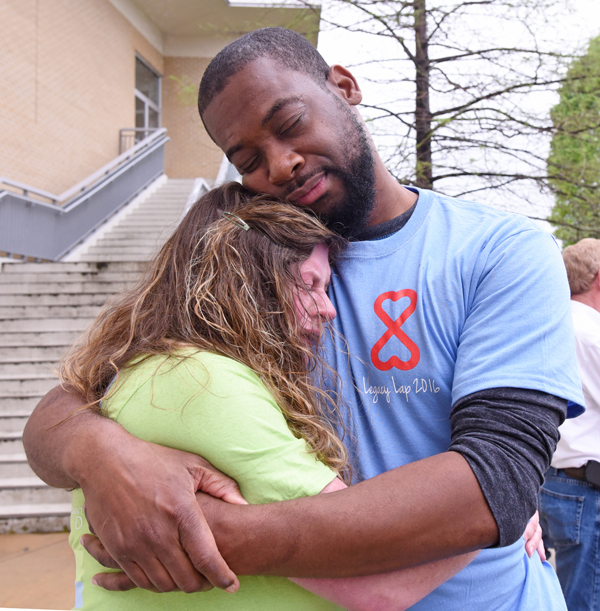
<point>580,437</point>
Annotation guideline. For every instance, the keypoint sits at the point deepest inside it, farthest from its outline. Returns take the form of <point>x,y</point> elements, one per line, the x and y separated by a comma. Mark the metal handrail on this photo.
<point>31,227</point>
<point>128,136</point>
<point>90,181</point>
<point>28,190</point>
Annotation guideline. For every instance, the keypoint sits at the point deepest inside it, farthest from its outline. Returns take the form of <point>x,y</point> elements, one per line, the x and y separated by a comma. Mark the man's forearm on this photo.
<point>421,512</point>
<point>53,441</point>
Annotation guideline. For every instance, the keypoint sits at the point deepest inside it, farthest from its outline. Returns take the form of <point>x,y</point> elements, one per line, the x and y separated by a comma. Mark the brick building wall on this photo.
<point>191,153</point>
<point>67,78</point>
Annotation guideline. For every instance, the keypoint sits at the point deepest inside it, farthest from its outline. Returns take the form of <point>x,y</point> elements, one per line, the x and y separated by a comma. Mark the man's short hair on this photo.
<point>288,48</point>
<point>582,261</point>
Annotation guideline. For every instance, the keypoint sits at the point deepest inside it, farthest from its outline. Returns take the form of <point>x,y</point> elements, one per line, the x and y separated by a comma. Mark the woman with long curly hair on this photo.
<point>216,352</point>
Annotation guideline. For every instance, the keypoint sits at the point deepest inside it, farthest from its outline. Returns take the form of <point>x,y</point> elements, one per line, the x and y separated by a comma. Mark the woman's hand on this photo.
<point>533,537</point>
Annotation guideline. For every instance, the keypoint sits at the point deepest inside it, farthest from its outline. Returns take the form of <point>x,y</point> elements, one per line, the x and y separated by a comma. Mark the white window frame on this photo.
<point>148,103</point>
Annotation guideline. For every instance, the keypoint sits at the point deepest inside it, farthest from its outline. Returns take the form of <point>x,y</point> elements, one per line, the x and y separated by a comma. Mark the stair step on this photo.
<point>133,235</point>
<point>156,221</point>
<point>35,311</point>
<point>168,210</point>
<point>160,231</point>
<point>18,405</point>
<point>7,436</point>
<point>168,205</point>
<point>121,257</point>
<point>14,423</point>
<point>169,190</point>
<point>33,510</point>
<point>55,300</point>
<point>23,371</point>
<point>13,458</point>
<point>25,353</point>
<point>157,207</point>
<point>133,238</point>
<point>38,325</point>
<point>42,288</point>
<point>38,493</point>
<point>119,239</point>
<point>174,195</point>
<point>57,277</point>
<point>70,266</point>
<point>153,217</point>
<point>15,466</point>
<point>14,413</point>
<point>11,446</point>
<point>16,369</point>
<point>15,469</point>
<point>31,354</point>
<point>131,253</point>
<point>126,249</point>
<point>60,338</point>
<point>27,388</point>
<point>22,482</point>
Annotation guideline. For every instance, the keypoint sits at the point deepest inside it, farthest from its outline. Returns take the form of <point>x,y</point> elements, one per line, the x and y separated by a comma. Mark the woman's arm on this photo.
<point>399,590</point>
<point>394,591</point>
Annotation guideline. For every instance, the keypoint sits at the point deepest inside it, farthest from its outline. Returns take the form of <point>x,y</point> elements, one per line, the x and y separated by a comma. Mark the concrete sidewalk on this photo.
<point>37,571</point>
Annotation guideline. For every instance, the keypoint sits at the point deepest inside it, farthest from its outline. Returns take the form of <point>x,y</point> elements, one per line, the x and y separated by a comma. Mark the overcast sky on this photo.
<point>575,28</point>
<point>577,25</point>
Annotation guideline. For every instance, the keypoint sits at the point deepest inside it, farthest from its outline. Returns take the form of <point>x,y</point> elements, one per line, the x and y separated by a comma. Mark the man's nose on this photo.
<point>284,166</point>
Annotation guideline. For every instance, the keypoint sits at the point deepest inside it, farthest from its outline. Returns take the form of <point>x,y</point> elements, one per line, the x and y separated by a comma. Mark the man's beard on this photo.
<point>350,216</point>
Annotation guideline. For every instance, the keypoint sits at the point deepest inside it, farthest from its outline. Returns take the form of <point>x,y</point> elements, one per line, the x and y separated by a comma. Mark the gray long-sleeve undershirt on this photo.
<point>508,436</point>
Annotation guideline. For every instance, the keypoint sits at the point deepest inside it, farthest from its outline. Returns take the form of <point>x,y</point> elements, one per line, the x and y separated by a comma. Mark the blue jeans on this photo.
<point>570,519</point>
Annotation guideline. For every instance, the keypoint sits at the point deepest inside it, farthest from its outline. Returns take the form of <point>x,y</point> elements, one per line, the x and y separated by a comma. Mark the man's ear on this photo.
<point>344,84</point>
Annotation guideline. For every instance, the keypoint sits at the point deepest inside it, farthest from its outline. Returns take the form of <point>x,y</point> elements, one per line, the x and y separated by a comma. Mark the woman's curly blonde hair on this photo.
<point>220,288</point>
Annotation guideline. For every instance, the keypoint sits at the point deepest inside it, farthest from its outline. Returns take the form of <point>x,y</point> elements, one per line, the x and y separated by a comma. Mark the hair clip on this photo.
<point>235,219</point>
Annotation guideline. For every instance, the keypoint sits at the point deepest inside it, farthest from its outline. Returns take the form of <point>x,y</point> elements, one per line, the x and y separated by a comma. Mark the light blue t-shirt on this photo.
<point>463,298</point>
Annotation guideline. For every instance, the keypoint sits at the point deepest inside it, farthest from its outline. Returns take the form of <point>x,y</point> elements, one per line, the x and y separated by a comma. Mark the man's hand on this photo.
<point>149,522</point>
<point>122,581</point>
<point>140,497</point>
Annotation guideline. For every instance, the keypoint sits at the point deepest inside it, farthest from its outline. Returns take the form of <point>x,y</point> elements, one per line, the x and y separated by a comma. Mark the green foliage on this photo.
<point>574,161</point>
<point>187,90</point>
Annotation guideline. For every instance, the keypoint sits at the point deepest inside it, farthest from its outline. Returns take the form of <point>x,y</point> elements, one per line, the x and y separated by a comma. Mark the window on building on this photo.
<point>147,99</point>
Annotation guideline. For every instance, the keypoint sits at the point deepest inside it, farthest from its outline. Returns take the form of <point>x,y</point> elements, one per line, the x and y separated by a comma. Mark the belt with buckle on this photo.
<point>589,473</point>
<point>575,473</point>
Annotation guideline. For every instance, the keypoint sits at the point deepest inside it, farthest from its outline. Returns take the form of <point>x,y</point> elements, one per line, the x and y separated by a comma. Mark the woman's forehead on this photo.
<point>318,262</point>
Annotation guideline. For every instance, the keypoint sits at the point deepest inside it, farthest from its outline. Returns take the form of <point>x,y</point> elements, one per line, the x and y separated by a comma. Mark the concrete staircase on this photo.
<point>43,308</point>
